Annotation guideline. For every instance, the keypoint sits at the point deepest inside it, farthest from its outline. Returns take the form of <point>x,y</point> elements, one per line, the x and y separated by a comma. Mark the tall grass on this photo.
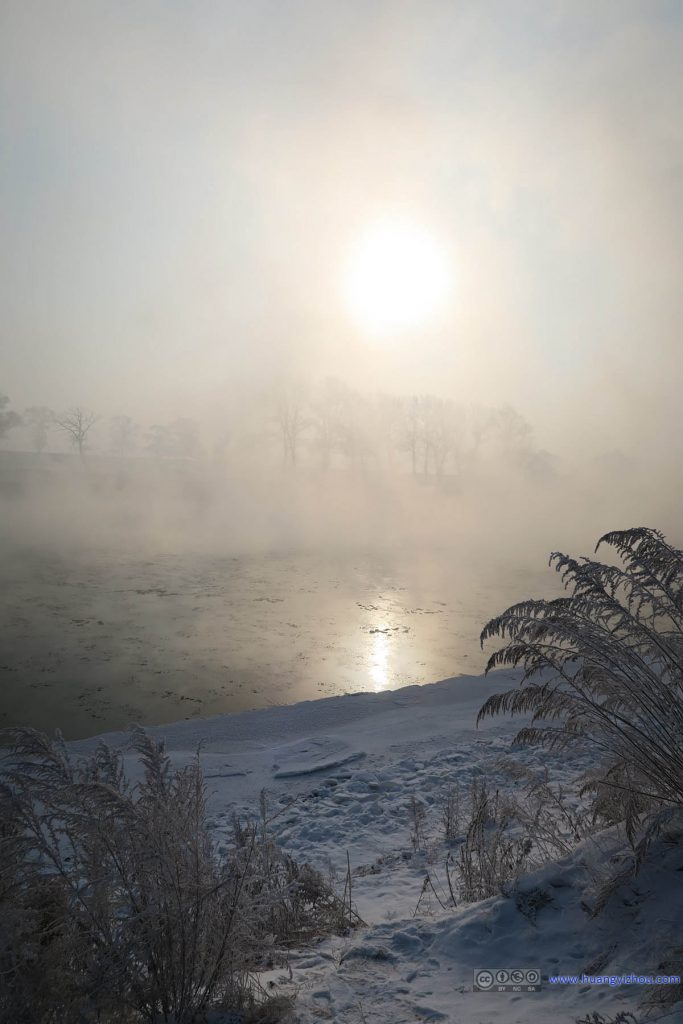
<point>604,666</point>
<point>114,903</point>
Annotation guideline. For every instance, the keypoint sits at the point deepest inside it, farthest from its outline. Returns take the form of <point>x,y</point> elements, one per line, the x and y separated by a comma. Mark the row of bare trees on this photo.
<point>75,423</point>
<point>322,426</point>
<point>178,438</point>
<point>333,423</point>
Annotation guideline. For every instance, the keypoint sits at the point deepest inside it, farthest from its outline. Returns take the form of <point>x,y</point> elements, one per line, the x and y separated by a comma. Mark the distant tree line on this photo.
<point>180,438</point>
<point>333,424</point>
<point>319,426</point>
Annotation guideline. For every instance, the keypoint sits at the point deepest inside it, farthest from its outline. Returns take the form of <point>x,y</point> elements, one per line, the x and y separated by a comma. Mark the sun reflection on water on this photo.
<point>379,661</point>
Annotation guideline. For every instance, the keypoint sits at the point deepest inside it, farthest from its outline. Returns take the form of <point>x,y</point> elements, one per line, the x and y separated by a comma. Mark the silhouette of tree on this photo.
<point>40,419</point>
<point>8,418</point>
<point>179,439</point>
<point>76,424</point>
<point>290,407</point>
<point>124,434</point>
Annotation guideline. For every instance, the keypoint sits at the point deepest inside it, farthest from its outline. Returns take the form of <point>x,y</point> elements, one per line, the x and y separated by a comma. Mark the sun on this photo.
<point>397,278</point>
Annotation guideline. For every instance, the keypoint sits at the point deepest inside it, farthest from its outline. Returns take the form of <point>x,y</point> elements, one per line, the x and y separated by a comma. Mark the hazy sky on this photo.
<point>181,184</point>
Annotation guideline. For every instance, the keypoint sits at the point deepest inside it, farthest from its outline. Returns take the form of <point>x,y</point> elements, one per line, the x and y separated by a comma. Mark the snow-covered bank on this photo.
<point>422,968</point>
<point>342,772</point>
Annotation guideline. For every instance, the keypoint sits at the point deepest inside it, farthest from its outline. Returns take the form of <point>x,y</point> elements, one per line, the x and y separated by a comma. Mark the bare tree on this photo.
<point>179,439</point>
<point>412,434</point>
<point>8,418</point>
<point>481,422</point>
<point>124,434</point>
<point>290,407</point>
<point>185,433</point>
<point>388,413</point>
<point>39,418</point>
<point>76,424</point>
<point>514,432</point>
<point>355,428</point>
<point>158,439</point>
<point>432,430</point>
<point>326,419</point>
<point>443,426</point>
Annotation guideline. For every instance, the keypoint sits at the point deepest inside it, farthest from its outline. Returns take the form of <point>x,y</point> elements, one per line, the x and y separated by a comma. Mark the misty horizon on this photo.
<point>388,292</point>
<point>183,190</point>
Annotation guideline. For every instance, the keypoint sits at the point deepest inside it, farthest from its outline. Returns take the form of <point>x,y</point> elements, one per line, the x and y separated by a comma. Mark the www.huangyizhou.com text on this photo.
<point>614,980</point>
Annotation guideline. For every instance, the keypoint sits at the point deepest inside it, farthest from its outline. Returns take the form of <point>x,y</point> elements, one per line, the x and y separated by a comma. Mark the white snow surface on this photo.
<point>342,770</point>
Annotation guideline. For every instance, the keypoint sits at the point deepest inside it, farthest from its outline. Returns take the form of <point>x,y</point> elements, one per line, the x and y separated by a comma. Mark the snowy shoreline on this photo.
<point>339,774</point>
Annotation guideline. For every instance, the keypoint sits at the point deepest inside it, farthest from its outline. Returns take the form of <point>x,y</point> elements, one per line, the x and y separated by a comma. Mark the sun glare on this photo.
<point>379,661</point>
<point>397,278</point>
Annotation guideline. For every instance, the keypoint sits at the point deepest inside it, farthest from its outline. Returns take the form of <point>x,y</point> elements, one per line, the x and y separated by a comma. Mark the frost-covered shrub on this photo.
<point>622,1017</point>
<point>493,852</point>
<point>417,816</point>
<point>291,903</point>
<point>114,904</point>
<point>451,814</point>
<point>507,834</point>
<point>605,666</point>
<point>550,816</point>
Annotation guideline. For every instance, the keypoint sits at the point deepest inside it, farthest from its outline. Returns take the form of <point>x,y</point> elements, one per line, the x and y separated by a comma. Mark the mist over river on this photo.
<point>107,639</point>
<point>143,591</point>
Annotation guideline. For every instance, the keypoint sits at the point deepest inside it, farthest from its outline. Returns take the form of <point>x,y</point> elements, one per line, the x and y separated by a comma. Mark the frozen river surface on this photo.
<point>103,638</point>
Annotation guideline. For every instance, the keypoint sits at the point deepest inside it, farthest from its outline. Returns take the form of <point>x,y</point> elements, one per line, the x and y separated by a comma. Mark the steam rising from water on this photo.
<point>146,590</point>
<point>181,187</point>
